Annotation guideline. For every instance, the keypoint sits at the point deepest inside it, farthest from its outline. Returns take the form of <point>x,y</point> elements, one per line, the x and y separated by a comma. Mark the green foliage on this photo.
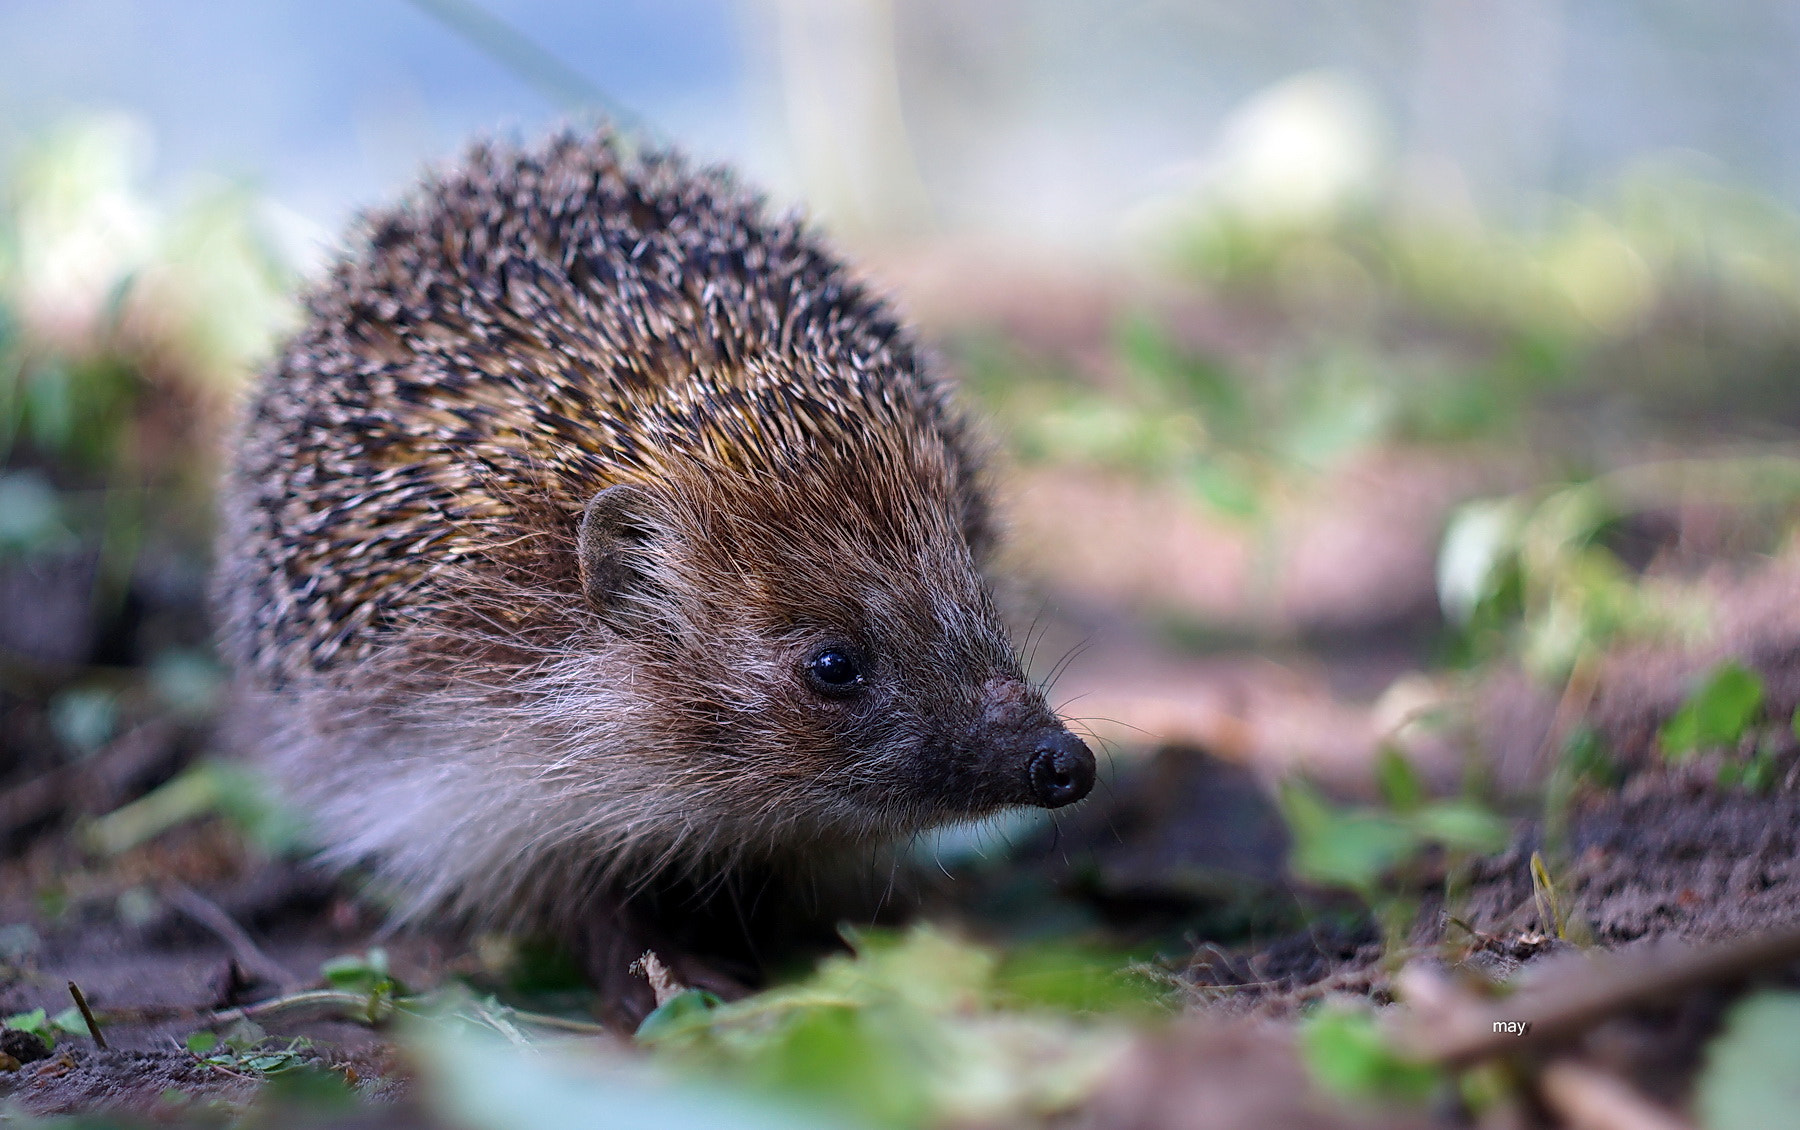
<point>1377,324</point>
<point>1372,851</point>
<point>205,789</point>
<point>1755,775</point>
<point>1074,980</point>
<point>681,1013</point>
<point>124,327</point>
<point>1398,781</point>
<point>1344,1049</point>
<point>360,973</point>
<point>366,975</point>
<point>248,1050</point>
<point>1751,1080</point>
<point>1549,902</point>
<point>36,1022</point>
<point>68,1022</point>
<point>1532,575</point>
<point>1356,847</point>
<point>917,1028</point>
<point>477,1080</point>
<point>1716,714</point>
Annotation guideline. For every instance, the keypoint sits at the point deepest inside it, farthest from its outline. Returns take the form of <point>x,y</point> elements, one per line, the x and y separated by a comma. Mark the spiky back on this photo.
<point>527,329</point>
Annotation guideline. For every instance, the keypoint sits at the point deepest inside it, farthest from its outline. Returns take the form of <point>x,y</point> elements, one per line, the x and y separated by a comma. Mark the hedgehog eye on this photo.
<point>834,672</point>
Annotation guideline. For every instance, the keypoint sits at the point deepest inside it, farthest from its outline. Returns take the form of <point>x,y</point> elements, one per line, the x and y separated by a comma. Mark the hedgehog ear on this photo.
<point>607,542</point>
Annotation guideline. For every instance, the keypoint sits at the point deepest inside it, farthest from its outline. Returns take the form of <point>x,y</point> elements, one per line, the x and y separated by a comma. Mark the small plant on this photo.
<point>1376,852</point>
<point>1549,904</point>
<point>366,975</point>
<point>918,1029</point>
<point>1531,576</point>
<point>1719,714</point>
<point>248,1051</point>
<point>1716,715</point>
<point>47,1028</point>
<point>1345,1049</point>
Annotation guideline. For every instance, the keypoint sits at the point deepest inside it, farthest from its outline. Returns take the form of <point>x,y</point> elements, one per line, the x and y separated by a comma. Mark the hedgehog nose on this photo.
<point>1061,770</point>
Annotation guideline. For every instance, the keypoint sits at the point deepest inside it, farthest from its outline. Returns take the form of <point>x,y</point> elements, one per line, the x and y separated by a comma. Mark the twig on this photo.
<point>354,1007</point>
<point>1587,1098</point>
<point>210,915</point>
<point>1567,1004</point>
<point>563,1024</point>
<point>87,1014</point>
<point>316,1002</point>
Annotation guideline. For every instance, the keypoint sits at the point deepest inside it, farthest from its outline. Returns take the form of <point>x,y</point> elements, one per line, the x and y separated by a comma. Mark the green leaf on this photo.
<point>362,973</point>
<point>1759,775</point>
<point>71,1021</point>
<point>1481,545</point>
<point>35,1023</point>
<point>1462,825</point>
<point>1586,758</point>
<point>682,1012</point>
<point>201,1043</point>
<point>1341,846</point>
<point>1716,714</point>
<point>313,1089</point>
<point>1399,782</point>
<point>1073,980</point>
<point>1344,1050</point>
<point>1227,489</point>
<point>1751,1080</point>
<point>1201,381</point>
<point>852,1059</point>
<point>1543,893</point>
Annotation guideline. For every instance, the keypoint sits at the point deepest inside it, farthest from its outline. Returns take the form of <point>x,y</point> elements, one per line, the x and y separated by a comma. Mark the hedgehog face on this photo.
<point>857,681</point>
<point>926,726</point>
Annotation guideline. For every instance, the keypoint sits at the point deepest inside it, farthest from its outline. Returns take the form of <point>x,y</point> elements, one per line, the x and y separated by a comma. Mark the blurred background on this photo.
<point>1262,294</point>
<point>1372,375</point>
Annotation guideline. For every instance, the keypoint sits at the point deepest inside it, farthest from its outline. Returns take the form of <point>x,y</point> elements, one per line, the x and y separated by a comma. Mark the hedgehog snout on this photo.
<point>1048,766</point>
<point>1061,769</point>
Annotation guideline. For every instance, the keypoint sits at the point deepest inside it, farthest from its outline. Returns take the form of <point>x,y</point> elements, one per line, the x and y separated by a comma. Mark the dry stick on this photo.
<point>1569,1003</point>
<point>354,1008</point>
<point>210,915</point>
<point>87,1014</point>
<point>1587,1098</point>
<point>308,1005</point>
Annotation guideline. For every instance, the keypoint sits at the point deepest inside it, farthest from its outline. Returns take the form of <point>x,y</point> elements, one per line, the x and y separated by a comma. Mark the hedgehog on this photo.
<point>599,533</point>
